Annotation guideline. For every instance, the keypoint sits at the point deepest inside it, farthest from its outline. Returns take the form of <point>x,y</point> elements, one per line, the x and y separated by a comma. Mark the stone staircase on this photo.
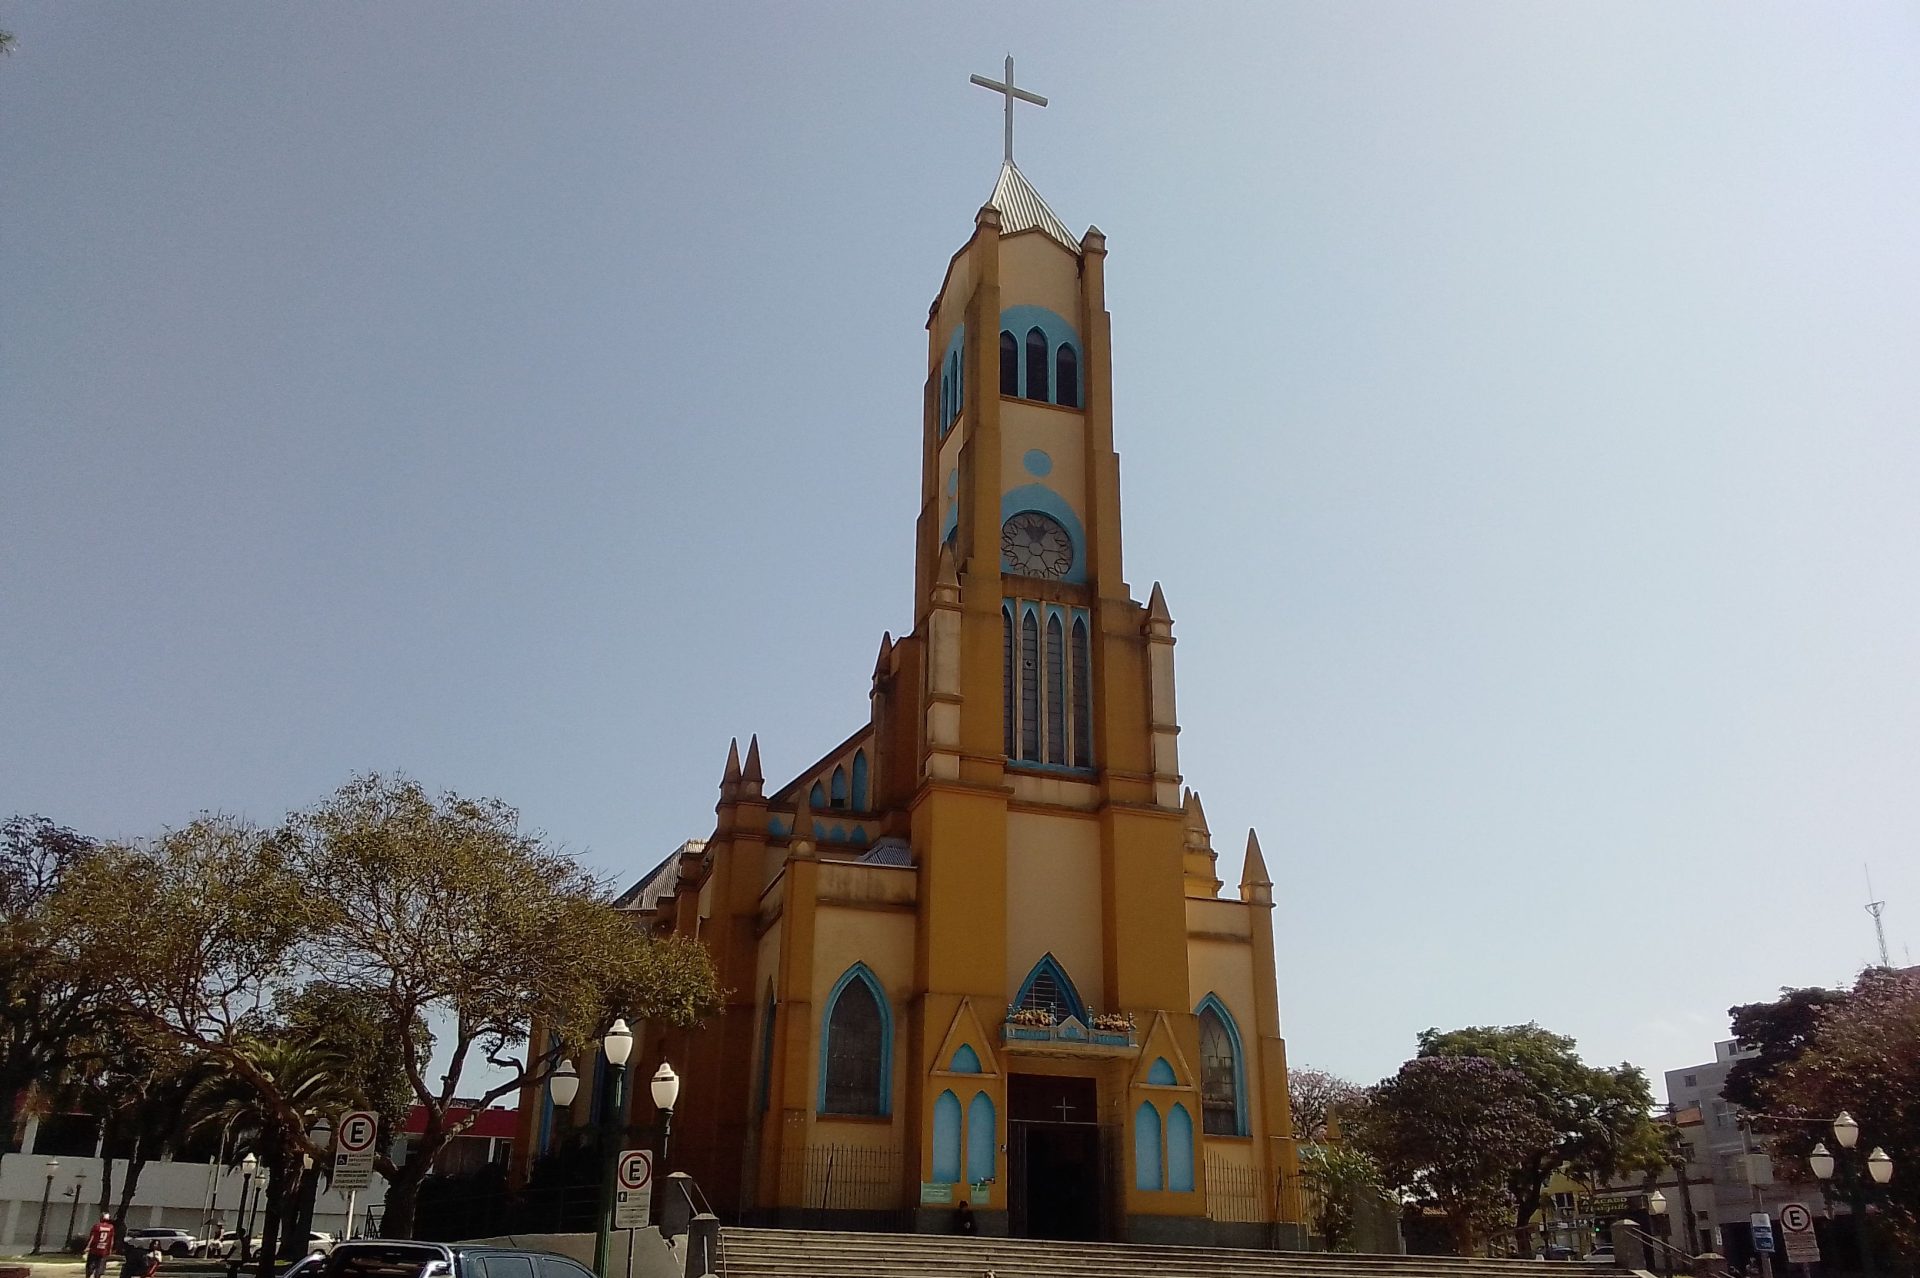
<point>797,1253</point>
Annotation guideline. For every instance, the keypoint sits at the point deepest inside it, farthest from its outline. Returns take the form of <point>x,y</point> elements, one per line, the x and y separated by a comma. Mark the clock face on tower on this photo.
<point>1035,545</point>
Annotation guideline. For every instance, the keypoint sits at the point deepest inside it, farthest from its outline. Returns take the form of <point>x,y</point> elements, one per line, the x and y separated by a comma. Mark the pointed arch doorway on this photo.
<point>1058,1158</point>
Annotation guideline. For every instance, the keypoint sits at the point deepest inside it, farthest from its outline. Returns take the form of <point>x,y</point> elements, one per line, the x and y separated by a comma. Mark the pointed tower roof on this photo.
<point>752,772</point>
<point>1022,209</point>
<point>733,762</point>
<point>1255,883</point>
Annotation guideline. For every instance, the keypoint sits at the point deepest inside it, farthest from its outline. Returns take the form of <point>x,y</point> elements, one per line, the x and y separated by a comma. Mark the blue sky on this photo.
<point>1517,402</point>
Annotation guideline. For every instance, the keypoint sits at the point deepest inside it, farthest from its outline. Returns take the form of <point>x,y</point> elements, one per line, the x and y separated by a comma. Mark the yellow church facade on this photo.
<point>977,952</point>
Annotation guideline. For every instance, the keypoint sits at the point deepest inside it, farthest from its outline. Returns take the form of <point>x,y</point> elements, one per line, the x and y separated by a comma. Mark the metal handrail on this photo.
<point>1653,1241</point>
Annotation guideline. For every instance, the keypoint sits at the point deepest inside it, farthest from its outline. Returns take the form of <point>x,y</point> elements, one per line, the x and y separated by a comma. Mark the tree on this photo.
<point>354,1027</point>
<point>445,910</point>
<point>51,1011</point>
<point>1862,1055</point>
<point>1448,1131</point>
<point>1594,1120</point>
<point>288,1085</point>
<point>1316,1094</point>
<point>135,1082</point>
<point>1340,1176</point>
<point>1779,1031</point>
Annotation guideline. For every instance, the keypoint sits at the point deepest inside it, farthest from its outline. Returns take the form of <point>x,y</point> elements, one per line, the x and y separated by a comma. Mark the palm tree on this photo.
<point>263,1094</point>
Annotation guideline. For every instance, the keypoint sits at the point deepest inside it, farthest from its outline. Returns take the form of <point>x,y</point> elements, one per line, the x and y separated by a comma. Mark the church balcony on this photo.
<point>1023,1031</point>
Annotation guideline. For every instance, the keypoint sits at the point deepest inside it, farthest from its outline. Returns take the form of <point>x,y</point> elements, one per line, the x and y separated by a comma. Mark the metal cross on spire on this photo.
<point>1006,87</point>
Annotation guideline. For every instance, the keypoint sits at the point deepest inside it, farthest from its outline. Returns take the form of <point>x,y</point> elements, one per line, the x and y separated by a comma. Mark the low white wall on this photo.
<point>169,1195</point>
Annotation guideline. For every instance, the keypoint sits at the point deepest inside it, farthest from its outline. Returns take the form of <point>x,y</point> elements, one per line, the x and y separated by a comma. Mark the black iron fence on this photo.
<point>843,1178</point>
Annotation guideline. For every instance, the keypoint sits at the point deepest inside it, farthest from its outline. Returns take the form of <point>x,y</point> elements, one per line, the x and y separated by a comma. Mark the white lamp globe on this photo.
<point>1845,1130</point>
<point>1820,1161</point>
<point>1657,1203</point>
<point>1879,1166</point>
<point>618,1043</point>
<point>564,1085</point>
<point>666,1086</point>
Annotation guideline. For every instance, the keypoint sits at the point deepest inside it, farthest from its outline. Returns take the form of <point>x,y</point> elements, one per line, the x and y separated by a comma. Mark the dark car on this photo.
<point>381,1258</point>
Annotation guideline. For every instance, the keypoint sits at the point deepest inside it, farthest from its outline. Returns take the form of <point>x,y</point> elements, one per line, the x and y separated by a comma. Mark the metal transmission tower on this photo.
<point>1877,908</point>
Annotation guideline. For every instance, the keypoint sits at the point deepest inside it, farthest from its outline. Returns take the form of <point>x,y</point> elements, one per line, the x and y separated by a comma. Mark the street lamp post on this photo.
<point>46,1196</point>
<point>73,1212</point>
<point>248,1166</point>
<point>1657,1209</point>
<point>666,1090</point>
<point>1878,1168</point>
<point>616,1046</point>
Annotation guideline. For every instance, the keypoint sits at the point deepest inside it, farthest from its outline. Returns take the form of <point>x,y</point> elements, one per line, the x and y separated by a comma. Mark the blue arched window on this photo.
<point>1146,1148</point>
<point>1036,364</point>
<point>1161,1073</point>
<point>983,1138</point>
<point>1009,364</point>
<point>946,1139</point>
<point>1066,377</point>
<point>839,799</point>
<point>965,1061</point>
<point>860,781</point>
<point>856,1051</point>
<point>817,797</point>
<point>1179,1150</point>
<point>1048,985</point>
<point>946,401</point>
<point>1223,1072</point>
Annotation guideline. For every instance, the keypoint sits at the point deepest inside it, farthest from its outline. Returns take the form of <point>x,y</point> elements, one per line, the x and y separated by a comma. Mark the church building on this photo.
<point>977,951</point>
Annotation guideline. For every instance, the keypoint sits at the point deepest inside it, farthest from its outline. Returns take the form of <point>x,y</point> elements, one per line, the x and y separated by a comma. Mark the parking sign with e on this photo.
<point>353,1153</point>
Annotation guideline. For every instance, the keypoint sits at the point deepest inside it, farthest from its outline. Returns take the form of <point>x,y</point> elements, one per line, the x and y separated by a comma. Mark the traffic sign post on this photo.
<point>1796,1230</point>
<point>353,1152</point>
<point>633,1190</point>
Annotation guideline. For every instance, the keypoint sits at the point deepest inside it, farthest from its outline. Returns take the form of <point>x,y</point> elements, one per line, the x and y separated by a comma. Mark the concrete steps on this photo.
<point>796,1253</point>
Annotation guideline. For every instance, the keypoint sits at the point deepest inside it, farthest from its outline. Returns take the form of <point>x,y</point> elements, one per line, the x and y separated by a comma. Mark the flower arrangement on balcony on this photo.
<point>1112,1022</point>
<point>1030,1017</point>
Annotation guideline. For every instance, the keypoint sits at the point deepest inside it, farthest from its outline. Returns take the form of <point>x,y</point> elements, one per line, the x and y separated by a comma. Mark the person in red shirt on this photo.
<point>100,1246</point>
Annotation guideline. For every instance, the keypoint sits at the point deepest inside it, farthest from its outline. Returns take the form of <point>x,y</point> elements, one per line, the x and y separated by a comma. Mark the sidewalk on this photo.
<point>49,1266</point>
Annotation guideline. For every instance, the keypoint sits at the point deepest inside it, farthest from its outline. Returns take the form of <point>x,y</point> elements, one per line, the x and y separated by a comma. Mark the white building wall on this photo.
<point>170,1195</point>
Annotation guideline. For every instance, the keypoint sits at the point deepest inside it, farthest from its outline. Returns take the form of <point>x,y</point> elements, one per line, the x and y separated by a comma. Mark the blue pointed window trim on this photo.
<point>859,972</point>
<point>1064,983</point>
<point>965,1061</point>
<point>1212,1003</point>
<point>1179,1149</point>
<point>860,781</point>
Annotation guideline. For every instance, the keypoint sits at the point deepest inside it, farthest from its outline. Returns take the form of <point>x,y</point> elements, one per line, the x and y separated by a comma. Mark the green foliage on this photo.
<point>1447,1132</point>
<point>341,935</point>
<point>354,1027</point>
<point>442,907</point>
<point>51,1012</point>
<point>1594,1120</point>
<point>1339,1176</point>
<point>1779,1031</point>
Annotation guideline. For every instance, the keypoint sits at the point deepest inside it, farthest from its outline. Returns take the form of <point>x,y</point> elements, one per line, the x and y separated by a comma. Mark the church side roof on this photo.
<point>658,882</point>
<point>1022,209</point>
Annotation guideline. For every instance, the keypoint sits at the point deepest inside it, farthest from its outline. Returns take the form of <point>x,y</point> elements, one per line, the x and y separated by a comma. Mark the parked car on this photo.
<point>319,1244</point>
<point>1602,1254</point>
<point>382,1258</point>
<point>171,1242</point>
<point>217,1245</point>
